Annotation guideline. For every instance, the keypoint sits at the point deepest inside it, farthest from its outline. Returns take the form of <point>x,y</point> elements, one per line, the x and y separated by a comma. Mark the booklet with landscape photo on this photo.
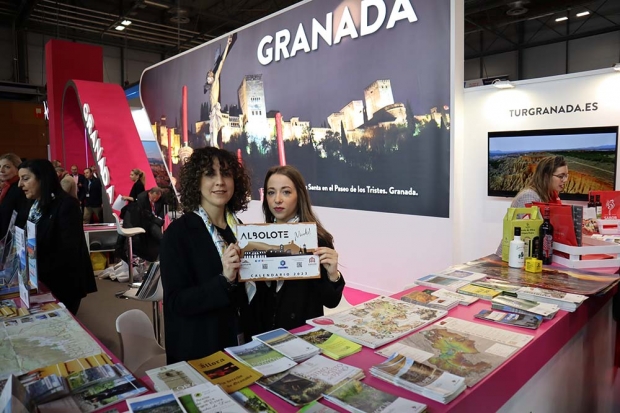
<point>481,349</point>
<point>511,319</point>
<point>464,275</point>
<point>207,398</point>
<point>427,299</point>
<point>355,396</point>
<point>442,281</point>
<point>333,345</point>
<point>521,306</point>
<point>378,321</point>
<point>175,377</point>
<point>462,298</point>
<point>86,378</point>
<point>221,369</point>
<point>156,402</point>
<point>566,301</point>
<point>288,344</point>
<point>251,401</point>
<point>104,394</point>
<point>480,292</point>
<point>261,357</point>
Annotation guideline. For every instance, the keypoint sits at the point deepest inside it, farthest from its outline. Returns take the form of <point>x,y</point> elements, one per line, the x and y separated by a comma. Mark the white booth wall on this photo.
<point>478,217</point>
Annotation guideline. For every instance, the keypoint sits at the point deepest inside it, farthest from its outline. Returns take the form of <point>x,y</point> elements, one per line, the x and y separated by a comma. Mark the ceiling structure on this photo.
<point>168,27</point>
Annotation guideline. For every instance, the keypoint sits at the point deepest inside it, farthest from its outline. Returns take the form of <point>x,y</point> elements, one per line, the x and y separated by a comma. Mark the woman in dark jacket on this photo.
<point>288,304</point>
<point>11,197</point>
<point>63,262</point>
<point>200,258</point>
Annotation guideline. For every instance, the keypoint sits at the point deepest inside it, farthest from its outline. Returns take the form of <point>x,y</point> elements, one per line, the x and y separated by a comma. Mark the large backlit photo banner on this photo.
<point>353,93</point>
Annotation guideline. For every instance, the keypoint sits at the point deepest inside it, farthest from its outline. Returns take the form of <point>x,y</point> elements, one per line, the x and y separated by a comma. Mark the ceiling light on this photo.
<point>156,4</point>
<point>503,84</point>
<point>561,19</point>
<point>126,22</point>
<point>583,13</point>
<point>617,67</point>
<point>120,28</point>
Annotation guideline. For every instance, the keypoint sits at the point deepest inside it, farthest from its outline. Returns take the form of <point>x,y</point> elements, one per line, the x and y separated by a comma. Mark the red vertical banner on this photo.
<point>60,67</point>
<point>169,157</point>
<point>184,121</point>
<point>280,139</point>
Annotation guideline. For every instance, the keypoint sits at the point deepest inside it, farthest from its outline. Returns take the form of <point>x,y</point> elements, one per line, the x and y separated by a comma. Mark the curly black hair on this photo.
<point>201,162</point>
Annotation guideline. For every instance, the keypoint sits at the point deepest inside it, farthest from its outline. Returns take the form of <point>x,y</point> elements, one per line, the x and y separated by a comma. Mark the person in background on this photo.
<point>200,258</point>
<point>67,182</point>
<point>56,163</point>
<point>92,198</point>
<point>148,212</point>
<point>288,304</point>
<point>63,261</point>
<point>138,179</point>
<point>11,197</point>
<point>80,182</point>
<point>544,185</point>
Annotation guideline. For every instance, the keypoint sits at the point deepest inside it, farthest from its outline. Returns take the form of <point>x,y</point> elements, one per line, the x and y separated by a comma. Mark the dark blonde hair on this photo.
<point>541,178</point>
<point>11,157</point>
<point>200,163</point>
<point>140,174</point>
<point>304,207</point>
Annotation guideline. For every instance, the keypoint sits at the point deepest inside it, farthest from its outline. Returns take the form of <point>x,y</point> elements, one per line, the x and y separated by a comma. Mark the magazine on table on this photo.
<point>316,407</point>
<point>222,370</point>
<point>309,380</point>
<point>511,319</point>
<point>521,306</point>
<point>107,393</point>
<point>355,396</point>
<point>48,388</point>
<point>442,281</point>
<point>175,377</point>
<point>566,301</point>
<point>207,398</point>
<point>288,344</point>
<point>80,380</point>
<point>480,292</point>
<point>504,287</point>
<point>165,401</point>
<point>461,274</point>
<point>427,299</point>
<point>462,298</point>
<point>481,348</point>
<point>251,402</point>
<point>378,321</point>
<point>420,378</point>
<point>261,357</point>
<point>333,345</point>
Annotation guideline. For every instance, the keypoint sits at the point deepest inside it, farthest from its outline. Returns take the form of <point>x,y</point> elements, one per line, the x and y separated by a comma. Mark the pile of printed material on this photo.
<point>420,378</point>
<point>355,396</point>
<point>566,301</point>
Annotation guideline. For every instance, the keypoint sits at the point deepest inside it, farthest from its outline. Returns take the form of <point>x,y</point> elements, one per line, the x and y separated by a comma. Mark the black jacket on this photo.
<point>141,213</point>
<point>13,200</point>
<point>82,185</point>
<point>94,192</point>
<point>63,261</point>
<point>136,189</point>
<point>200,306</point>
<point>296,302</point>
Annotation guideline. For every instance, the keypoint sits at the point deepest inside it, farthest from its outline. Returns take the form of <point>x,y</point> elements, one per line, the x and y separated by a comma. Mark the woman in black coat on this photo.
<point>200,258</point>
<point>11,197</point>
<point>63,262</point>
<point>288,304</point>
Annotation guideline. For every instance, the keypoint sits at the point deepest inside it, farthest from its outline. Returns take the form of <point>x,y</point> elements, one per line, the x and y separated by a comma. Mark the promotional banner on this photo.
<point>353,93</point>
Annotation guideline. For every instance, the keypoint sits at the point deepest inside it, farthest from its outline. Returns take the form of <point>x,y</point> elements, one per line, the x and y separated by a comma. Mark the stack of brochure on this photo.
<point>261,358</point>
<point>442,281</point>
<point>333,345</point>
<point>175,377</point>
<point>504,287</point>
<point>288,344</point>
<point>80,380</point>
<point>355,396</point>
<point>566,301</point>
<point>511,319</point>
<point>462,298</point>
<point>420,378</point>
<point>311,379</point>
<point>425,298</point>
<point>521,306</point>
<point>480,292</point>
<point>461,274</point>
<point>47,389</point>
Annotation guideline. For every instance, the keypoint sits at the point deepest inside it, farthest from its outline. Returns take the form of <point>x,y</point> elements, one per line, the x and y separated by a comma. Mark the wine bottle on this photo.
<point>591,203</point>
<point>546,239</point>
<point>599,207</point>
<point>516,254</point>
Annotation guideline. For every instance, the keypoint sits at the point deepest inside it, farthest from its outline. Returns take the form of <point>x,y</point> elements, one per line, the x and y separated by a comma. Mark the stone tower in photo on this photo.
<point>378,95</point>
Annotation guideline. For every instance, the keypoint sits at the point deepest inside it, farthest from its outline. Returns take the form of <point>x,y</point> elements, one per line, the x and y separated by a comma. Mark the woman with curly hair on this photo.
<point>200,258</point>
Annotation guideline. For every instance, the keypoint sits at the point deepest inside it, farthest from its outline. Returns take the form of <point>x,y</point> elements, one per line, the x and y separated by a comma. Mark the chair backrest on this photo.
<point>118,223</point>
<point>138,343</point>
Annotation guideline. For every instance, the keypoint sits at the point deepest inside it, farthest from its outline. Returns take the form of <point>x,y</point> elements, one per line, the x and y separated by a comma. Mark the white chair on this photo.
<point>129,233</point>
<point>342,305</point>
<point>140,351</point>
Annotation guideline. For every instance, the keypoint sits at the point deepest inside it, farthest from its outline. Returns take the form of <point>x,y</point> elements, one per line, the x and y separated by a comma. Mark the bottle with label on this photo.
<point>599,207</point>
<point>591,203</point>
<point>546,239</point>
<point>516,254</point>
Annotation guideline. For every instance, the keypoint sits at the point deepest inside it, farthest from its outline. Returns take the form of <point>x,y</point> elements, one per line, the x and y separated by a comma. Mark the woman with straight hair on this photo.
<point>11,197</point>
<point>200,259</point>
<point>63,262</point>
<point>288,304</point>
<point>138,179</point>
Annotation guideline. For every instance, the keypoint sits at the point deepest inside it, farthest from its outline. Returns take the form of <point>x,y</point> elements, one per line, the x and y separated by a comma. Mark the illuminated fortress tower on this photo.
<point>353,115</point>
<point>378,95</point>
<point>251,95</point>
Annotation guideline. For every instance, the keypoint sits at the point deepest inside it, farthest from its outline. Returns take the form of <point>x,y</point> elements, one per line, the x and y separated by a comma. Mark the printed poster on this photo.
<point>22,272</point>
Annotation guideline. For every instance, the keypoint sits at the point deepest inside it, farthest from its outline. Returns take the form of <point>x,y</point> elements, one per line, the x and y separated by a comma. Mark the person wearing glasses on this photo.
<point>545,185</point>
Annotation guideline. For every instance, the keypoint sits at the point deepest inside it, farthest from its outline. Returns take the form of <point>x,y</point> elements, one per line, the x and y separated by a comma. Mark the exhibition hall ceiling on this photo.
<point>170,26</point>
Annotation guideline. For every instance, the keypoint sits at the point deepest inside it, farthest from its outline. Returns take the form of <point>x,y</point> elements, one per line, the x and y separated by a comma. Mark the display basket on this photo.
<point>608,226</point>
<point>589,255</point>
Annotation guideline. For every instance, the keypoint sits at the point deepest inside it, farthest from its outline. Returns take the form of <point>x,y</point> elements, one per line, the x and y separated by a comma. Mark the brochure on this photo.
<point>220,369</point>
<point>157,402</point>
<point>31,248</point>
<point>175,377</point>
<point>521,306</point>
<point>251,402</point>
<point>66,368</point>
<point>378,321</point>
<point>14,397</point>
<point>333,345</point>
<point>420,378</point>
<point>425,298</point>
<point>511,319</point>
<point>442,281</point>
<point>22,266</point>
<point>462,298</point>
<point>566,301</point>
<point>316,407</point>
<point>481,348</point>
<point>505,288</point>
<point>278,251</point>
<point>80,380</point>
<point>288,344</point>
<point>261,357</point>
<point>355,396</point>
<point>464,275</point>
<point>480,292</point>
<point>207,398</point>
<point>47,389</point>
<point>107,393</point>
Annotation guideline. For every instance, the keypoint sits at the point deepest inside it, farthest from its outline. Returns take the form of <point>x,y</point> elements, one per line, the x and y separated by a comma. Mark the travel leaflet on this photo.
<point>278,251</point>
<point>261,357</point>
<point>207,398</point>
<point>333,345</point>
<point>222,370</point>
<point>288,344</point>
<point>511,319</point>
<point>355,396</point>
<point>175,377</point>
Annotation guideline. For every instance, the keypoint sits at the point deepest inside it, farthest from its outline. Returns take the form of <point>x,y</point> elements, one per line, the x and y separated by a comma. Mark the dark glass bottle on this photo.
<point>546,240</point>
<point>591,203</point>
<point>599,207</point>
